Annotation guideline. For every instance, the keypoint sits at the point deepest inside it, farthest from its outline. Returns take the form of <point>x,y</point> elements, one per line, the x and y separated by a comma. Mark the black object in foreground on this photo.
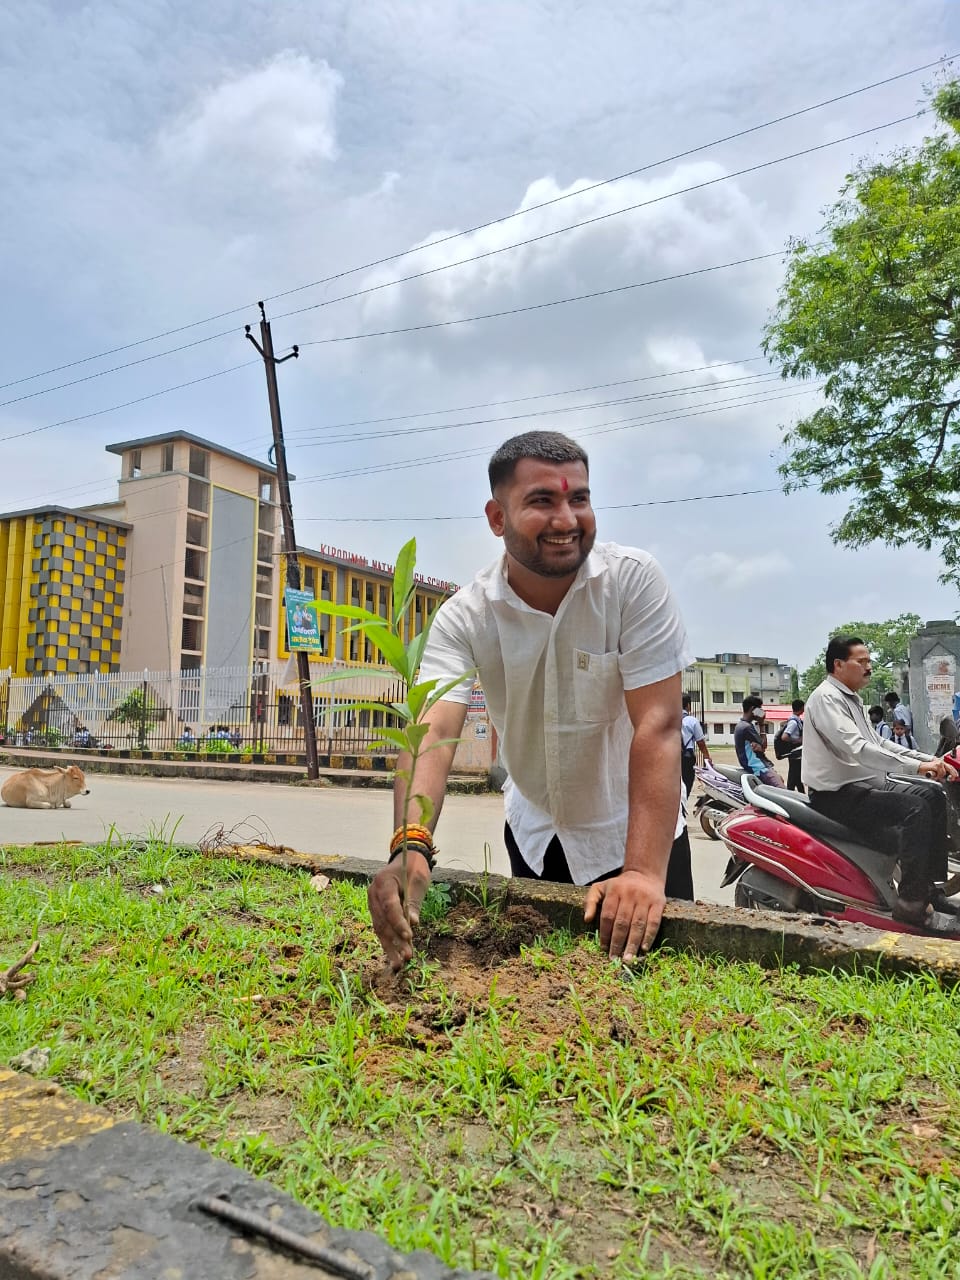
<point>217,1207</point>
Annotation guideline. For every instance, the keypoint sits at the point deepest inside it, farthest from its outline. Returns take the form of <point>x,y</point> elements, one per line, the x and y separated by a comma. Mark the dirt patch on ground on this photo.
<point>485,938</point>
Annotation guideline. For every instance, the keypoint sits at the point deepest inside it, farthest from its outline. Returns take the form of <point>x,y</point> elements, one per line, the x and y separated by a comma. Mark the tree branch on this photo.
<point>942,435</point>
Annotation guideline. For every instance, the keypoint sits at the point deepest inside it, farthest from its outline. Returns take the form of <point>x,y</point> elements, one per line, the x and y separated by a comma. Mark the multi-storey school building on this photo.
<point>181,572</point>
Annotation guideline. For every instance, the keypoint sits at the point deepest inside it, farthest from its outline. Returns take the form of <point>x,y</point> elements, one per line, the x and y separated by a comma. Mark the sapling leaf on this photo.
<point>425,805</point>
<point>417,695</point>
<point>347,611</point>
<point>393,737</point>
<point>334,676</point>
<point>416,734</point>
<point>390,645</point>
<point>387,707</point>
<point>404,583</point>
<point>438,694</point>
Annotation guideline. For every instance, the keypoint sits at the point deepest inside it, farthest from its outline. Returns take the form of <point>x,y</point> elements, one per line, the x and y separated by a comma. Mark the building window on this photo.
<point>733,728</point>
<point>718,697</point>
<point>192,635</point>
<point>266,488</point>
<point>193,600</point>
<point>136,463</point>
<point>198,495</point>
<point>166,460</point>
<point>196,531</point>
<point>737,695</point>
<point>718,729</point>
<point>310,579</point>
<point>199,462</point>
<point>194,564</point>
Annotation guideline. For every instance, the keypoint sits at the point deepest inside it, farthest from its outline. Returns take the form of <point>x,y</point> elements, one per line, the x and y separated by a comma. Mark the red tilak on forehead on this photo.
<point>563,484</point>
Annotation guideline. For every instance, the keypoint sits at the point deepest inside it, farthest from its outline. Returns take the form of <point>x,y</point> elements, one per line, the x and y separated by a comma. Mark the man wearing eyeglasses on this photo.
<point>845,770</point>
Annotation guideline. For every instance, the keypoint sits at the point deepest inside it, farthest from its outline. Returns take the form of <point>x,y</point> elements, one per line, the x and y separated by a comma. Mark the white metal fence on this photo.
<point>250,708</point>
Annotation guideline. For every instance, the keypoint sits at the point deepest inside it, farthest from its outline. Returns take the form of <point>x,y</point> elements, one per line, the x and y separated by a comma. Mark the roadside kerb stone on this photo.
<point>218,771</point>
<point>771,939</point>
<point>84,1198</point>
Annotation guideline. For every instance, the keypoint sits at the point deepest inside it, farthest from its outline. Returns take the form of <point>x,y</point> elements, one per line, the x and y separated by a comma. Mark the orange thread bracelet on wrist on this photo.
<point>418,838</point>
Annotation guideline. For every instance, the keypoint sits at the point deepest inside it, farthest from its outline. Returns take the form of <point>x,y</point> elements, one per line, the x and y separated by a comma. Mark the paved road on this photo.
<point>325,820</point>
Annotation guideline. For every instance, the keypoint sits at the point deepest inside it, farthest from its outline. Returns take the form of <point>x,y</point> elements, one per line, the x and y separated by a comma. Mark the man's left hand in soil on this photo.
<point>631,909</point>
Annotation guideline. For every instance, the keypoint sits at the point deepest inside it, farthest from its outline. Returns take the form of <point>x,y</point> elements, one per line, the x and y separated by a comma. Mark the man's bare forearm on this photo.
<point>433,764</point>
<point>654,799</point>
<point>430,780</point>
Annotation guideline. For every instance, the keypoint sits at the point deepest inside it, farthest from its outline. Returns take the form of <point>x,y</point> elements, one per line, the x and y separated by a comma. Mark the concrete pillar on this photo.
<point>934,678</point>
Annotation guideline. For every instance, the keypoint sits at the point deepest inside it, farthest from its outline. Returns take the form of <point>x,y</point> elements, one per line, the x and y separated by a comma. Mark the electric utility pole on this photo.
<point>270,362</point>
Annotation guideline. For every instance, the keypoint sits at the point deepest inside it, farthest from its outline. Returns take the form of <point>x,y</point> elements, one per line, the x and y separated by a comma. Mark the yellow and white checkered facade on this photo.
<point>61,591</point>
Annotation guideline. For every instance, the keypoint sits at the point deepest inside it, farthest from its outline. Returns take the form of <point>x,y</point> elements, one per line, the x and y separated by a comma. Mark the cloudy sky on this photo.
<point>167,165</point>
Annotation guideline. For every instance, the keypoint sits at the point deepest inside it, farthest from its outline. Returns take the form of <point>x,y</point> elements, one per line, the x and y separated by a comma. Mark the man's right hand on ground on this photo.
<point>386,906</point>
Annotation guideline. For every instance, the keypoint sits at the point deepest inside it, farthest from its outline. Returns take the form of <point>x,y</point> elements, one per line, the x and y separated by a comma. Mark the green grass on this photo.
<point>553,1117</point>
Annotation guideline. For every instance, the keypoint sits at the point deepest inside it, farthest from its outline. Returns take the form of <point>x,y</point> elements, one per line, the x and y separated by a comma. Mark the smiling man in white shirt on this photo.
<point>579,647</point>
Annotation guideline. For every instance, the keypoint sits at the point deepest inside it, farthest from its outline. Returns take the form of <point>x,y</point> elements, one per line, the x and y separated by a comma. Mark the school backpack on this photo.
<point>781,748</point>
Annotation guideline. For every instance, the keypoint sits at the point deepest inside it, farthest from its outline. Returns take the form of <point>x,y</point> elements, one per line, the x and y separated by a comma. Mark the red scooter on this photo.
<point>785,856</point>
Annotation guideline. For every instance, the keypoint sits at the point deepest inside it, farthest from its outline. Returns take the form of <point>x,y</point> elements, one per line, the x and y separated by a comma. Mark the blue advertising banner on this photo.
<point>303,630</point>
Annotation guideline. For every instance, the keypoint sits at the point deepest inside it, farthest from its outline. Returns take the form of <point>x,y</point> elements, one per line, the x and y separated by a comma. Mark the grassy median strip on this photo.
<point>551,1115</point>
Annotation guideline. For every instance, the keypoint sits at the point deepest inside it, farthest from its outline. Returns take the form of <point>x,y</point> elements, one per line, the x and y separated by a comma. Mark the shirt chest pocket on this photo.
<point>597,686</point>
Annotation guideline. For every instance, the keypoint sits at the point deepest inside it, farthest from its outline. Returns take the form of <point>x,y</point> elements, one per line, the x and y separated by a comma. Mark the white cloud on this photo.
<point>736,572</point>
<point>168,162</point>
<point>271,126</point>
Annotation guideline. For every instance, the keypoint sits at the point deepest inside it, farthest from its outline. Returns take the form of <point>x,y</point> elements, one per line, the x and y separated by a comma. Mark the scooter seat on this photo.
<point>803,815</point>
<point>733,773</point>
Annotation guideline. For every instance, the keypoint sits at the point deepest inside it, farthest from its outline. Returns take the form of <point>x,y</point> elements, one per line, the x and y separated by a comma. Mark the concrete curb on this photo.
<point>768,938</point>
<point>291,775</point>
<point>85,1198</point>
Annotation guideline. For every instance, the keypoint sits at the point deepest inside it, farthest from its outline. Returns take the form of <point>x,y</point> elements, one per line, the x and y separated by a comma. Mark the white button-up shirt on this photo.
<point>840,745</point>
<point>554,688</point>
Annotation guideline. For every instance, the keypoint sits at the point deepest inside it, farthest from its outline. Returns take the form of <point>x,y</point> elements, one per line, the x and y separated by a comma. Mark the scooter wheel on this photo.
<point>708,822</point>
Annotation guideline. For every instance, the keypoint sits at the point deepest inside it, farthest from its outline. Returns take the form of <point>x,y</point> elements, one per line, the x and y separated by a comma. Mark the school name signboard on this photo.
<point>356,561</point>
<point>303,630</point>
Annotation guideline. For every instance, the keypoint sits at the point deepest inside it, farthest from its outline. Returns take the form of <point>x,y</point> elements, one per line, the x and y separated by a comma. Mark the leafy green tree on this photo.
<point>140,711</point>
<point>873,308</point>
<point>889,645</point>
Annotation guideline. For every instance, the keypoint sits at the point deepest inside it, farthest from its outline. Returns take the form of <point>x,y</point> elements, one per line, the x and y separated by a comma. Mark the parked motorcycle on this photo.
<point>722,794</point>
<point>785,856</point>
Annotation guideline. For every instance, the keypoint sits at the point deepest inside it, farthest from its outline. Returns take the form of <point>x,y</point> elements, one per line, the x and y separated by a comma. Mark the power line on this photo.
<point>621,506</point>
<point>91,484</point>
<point>670,195</point>
<point>598,429</point>
<point>542,395</point>
<point>113,408</point>
<point>744,383</point>
<point>518,213</point>
<point>599,217</point>
<point>541,306</point>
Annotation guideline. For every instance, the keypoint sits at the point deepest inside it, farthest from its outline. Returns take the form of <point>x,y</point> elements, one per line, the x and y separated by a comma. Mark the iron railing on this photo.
<point>211,710</point>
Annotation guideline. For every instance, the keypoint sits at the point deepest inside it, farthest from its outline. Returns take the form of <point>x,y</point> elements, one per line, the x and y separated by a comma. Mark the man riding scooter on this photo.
<point>845,768</point>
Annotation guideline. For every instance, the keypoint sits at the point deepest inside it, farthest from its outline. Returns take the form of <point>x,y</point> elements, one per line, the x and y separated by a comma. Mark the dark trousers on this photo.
<point>794,765</point>
<point>688,762</point>
<point>679,873</point>
<point>907,819</point>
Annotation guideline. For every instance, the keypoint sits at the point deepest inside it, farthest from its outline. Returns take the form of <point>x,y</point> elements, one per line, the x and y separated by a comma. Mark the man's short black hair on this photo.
<point>544,446</point>
<point>878,709</point>
<point>686,702</point>
<point>838,650</point>
<point>751,702</point>
<point>797,705</point>
<point>891,698</point>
